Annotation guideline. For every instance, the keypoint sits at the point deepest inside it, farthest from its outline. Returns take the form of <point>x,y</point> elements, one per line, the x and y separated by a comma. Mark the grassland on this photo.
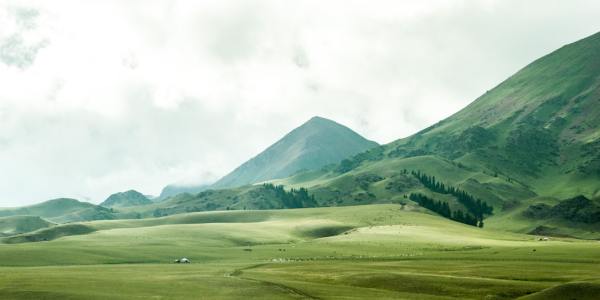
<point>372,251</point>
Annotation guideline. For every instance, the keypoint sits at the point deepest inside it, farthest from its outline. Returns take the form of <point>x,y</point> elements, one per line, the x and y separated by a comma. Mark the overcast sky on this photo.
<point>103,96</point>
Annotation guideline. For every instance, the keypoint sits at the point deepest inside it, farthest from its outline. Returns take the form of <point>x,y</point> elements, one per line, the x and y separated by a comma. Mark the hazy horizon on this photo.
<point>111,96</point>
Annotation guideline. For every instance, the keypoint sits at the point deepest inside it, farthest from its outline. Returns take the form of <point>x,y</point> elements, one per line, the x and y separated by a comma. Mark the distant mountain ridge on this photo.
<point>175,189</point>
<point>62,210</point>
<point>314,144</point>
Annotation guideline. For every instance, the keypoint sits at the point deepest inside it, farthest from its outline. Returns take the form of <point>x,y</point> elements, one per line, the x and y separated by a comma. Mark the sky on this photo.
<point>98,97</point>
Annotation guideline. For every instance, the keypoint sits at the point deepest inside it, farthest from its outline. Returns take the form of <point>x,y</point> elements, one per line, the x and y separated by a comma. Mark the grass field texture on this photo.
<point>371,251</point>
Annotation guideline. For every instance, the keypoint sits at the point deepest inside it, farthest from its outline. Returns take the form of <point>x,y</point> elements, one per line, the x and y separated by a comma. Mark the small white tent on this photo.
<point>182,261</point>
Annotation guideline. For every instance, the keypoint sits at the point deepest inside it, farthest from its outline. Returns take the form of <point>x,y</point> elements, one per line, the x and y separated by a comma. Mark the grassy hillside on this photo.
<point>20,224</point>
<point>372,251</point>
<point>534,136</point>
<point>241,198</point>
<point>383,181</point>
<point>316,143</point>
<point>65,210</point>
<point>62,210</point>
<point>541,126</point>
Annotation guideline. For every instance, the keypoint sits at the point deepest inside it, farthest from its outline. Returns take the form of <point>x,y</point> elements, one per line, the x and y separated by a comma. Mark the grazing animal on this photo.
<point>182,261</point>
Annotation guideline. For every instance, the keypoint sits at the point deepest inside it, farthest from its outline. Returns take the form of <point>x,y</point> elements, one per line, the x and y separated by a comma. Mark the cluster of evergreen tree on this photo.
<point>294,198</point>
<point>443,209</point>
<point>439,207</point>
<point>476,207</point>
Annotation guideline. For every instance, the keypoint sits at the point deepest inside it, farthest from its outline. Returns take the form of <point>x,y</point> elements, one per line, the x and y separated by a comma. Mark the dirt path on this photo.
<point>294,292</point>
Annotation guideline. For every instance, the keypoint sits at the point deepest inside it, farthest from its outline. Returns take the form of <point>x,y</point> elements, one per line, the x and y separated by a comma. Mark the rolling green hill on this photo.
<point>352,252</point>
<point>316,143</point>
<point>21,224</point>
<point>62,210</point>
<point>249,197</point>
<point>125,199</point>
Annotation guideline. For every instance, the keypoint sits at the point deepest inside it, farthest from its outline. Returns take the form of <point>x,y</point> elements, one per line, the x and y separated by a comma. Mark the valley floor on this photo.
<point>372,252</point>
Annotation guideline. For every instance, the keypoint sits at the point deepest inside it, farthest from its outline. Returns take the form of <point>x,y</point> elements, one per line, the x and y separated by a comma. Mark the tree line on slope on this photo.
<point>294,198</point>
<point>476,207</point>
<point>443,209</point>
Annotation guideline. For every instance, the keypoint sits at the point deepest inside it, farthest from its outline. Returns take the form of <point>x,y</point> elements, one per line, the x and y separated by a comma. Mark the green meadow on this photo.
<point>370,251</point>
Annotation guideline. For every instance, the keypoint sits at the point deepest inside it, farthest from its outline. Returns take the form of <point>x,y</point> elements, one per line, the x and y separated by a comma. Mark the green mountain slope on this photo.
<point>534,136</point>
<point>316,143</point>
<point>541,126</point>
<point>62,210</point>
<point>125,199</point>
<point>384,180</point>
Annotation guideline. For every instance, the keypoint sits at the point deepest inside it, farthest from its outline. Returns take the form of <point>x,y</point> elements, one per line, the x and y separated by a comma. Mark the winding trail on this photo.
<point>294,292</point>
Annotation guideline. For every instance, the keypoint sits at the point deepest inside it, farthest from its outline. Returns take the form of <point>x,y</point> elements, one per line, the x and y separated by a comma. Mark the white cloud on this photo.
<point>104,96</point>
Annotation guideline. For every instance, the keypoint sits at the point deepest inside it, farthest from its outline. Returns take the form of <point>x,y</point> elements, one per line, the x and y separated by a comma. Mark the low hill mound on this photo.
<point>20,224</point>
<point>126,199</point>
<point>62,210</point>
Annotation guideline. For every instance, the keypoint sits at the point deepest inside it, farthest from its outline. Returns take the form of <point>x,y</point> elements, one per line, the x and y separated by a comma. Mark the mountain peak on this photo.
<point>124,199</point>
<point>320,122</point>
<point>316,143</point>
<point>317,119</point>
